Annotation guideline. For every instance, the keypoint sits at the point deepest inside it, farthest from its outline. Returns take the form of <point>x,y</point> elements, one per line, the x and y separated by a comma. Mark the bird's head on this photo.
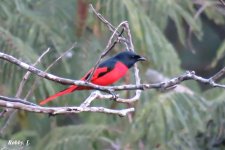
<point>129,58</point>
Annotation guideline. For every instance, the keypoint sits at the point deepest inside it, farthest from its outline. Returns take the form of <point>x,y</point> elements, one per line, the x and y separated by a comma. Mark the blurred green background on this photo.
<point>175,35</point>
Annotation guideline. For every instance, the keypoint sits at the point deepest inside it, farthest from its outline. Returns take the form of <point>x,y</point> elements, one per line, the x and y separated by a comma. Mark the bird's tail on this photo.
<point>63,92</point>
<point>66,91</point>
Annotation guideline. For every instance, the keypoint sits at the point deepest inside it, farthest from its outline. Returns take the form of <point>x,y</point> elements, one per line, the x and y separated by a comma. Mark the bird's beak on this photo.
<point>142,58</point>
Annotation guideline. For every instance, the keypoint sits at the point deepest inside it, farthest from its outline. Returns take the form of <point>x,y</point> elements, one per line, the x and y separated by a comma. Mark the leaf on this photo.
<point>81,136</point>
<point>166,116</point>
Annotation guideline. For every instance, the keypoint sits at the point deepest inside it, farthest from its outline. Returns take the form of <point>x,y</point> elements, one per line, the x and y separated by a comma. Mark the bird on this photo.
<point>107,73</point>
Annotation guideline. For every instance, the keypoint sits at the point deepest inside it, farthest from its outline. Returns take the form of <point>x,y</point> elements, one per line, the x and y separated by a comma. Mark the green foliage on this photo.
<point>219,55</point>
<point>27,29</point>
<point>154,44</point>
<point>81,136</point>
<point>165,121</point>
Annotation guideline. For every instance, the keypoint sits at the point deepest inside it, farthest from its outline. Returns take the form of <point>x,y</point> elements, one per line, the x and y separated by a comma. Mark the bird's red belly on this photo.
<point>111,77</point>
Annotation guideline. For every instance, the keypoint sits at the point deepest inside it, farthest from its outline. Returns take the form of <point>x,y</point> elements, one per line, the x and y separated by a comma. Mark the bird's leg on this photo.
<point>112,92</point>
<point>51,115</point>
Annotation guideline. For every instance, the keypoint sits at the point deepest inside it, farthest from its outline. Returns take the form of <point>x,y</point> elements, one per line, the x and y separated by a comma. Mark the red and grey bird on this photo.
<point>107,73</point>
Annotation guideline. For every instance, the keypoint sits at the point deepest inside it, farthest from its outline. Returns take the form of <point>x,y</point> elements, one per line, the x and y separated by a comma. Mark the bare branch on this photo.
<point>190,30</point>
<point>95,95</point>
<point>106,22</point>
<point>128,43</point>
<point>153,76</point>
<point>218,74</point>
<point>136,70</point>
<point>187,76</point>
<point>17,100</point>
<point>61,110</point>
<point>108,48</point>
<point>26,76</point>
<point>11,112</point>
<point>62,55</point>
<point>222,2</point>
<point>92,97</point>
<point>49,67</point>
<point>39,72</point>
<point>110,26</point>
<point>85,106</point>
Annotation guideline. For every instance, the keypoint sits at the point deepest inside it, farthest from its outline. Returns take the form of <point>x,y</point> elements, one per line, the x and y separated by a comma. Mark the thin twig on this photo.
<point>62,55</point>
<point>95,95</point>
<point>222,2</point>
<point>49,67</point>
<point>136,70</point>
<point>17,100</point>
<point>109,25</point>
<point>197,14</point>
<point>106,22</point>
<point>11,112</point>
<point>26,76</point>
<point>129,45</point>
<point>92,97</point>
<point>218,74</point>
<point>108,48</point>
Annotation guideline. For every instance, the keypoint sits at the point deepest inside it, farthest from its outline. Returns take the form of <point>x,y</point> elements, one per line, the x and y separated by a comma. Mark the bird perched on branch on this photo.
<point>107,73</point>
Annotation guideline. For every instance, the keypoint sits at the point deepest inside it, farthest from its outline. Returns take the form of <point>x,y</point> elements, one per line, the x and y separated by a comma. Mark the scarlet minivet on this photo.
<point>107,73</point>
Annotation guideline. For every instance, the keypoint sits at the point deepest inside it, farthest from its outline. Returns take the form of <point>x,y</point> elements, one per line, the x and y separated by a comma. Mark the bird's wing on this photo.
<point>99,72</point>
<point>103,68</point>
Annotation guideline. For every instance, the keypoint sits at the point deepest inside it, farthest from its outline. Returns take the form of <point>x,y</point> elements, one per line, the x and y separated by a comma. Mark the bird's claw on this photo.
<point>114,96</point>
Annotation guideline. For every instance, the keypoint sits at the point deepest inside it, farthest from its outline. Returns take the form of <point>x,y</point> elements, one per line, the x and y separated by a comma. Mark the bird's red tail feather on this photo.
<point>63,92</point>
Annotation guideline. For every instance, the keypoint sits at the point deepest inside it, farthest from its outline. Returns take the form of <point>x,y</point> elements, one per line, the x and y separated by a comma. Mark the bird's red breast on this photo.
<point>111,76</point>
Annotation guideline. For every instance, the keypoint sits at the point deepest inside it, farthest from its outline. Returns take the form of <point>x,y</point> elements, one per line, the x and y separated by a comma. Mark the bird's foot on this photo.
<point>114,95</point>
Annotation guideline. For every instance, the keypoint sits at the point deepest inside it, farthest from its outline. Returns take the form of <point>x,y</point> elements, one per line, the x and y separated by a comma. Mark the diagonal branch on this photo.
<point>26,76</point>
<point>108,48</point>
<point>11,112</point>
<point>108,24</point>
<point>49,67</point>
<point>222,2</point>
<point>218,74</point>
<point>129,44</point>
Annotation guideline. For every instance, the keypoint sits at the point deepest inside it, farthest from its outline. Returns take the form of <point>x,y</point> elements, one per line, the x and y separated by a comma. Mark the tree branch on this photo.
<point>108,24</point>
<point>65,81</point>
<point>59,110</point>
<point>20,104</point>
<point>128,43</point>
<point>11,112</point>
<point>222,2</point>
<point>85,106</point>
<point>218,74</point>
<point>49,67</point>
<point>27,74</point>
<point>108,48</point>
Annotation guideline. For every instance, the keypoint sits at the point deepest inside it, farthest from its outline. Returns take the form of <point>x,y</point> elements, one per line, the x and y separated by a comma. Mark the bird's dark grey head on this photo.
<point>129,58</point>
